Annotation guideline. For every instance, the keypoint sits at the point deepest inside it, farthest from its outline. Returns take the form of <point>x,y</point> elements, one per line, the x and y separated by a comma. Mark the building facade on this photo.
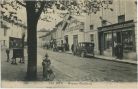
<point>59,33</point>
<point>74,32</point>
<point>11,29</point>
<point>40,35</point>
<point>108,28</point>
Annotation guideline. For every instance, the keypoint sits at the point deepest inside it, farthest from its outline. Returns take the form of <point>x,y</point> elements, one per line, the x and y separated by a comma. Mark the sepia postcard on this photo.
<point>68,44</point>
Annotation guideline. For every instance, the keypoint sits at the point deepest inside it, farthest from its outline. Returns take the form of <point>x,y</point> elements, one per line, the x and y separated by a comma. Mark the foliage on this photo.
<point>73,7</point>
<point>35,8</point>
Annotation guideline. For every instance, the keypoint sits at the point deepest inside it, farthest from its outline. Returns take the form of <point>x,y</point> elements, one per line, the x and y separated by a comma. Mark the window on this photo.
<point>107,40</point>
<point>104,22</point>
<point>75,39</point>
<point>81,30</point>
<point>91,27</point>
<point>110,1</point>
<point>128,41</point>
<point>92,37</point>
<point>121,18</point>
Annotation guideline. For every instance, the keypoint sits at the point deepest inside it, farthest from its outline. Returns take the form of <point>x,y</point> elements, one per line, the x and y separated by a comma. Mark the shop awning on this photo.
<point>117,26</point>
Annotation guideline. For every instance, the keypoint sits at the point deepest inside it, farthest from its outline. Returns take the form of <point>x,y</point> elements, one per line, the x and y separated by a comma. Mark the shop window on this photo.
<point>107,40</point>
<point>91,27</point>
<point>128,41</point>
<point>121,18</point>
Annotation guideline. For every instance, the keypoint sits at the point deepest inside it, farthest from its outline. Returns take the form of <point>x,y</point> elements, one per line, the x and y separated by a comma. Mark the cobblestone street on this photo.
<point>69,44</point>
<point>74,68</point>
<point>11,72</point>
<point>68,67</point>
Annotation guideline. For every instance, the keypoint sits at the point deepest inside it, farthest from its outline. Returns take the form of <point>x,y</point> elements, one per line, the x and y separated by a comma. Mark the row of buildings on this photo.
<point>11,33</point>
<point>106,28</point>
<point>12,30</point>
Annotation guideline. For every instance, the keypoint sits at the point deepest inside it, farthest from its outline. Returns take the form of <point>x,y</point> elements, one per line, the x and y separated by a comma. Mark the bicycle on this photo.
<point>50,74</point>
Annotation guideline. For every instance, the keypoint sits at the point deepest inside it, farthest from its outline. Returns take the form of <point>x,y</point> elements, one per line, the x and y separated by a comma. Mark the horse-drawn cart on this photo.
<point>18,53</point>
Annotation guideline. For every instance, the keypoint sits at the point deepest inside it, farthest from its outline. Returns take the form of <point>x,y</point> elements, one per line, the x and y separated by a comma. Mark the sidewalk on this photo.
<point>10,72</point>
<point>117,60</point>
<point>111,58</point>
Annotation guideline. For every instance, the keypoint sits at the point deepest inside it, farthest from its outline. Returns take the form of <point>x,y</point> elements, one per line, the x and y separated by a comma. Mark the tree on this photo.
<point>34,10</point>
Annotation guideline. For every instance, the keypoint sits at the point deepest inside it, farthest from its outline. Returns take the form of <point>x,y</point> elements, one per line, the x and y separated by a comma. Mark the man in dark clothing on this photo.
<point>93,48</point>
<point>8,52</point>
<point>72,48</point>
<point>120,48</point>
<point>119,51</point>
<point>46,65</point>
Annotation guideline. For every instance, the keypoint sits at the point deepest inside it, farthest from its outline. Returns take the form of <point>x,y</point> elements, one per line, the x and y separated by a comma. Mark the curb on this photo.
<point>115,60</point>
<point>118,60</point>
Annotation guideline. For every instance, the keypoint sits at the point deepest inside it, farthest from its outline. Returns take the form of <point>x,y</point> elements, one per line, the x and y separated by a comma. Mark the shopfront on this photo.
<point>118,34</point>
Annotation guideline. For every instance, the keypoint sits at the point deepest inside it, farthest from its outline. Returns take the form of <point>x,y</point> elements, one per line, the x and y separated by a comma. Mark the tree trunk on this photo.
<point>23,36</point>
<point>32,50</point>
<point>32,43</point>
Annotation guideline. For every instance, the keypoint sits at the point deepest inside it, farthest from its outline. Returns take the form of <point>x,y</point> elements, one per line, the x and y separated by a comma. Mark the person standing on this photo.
<point>119,51</point>
<point>115,48</point>
<point>93,45</point>
<point>72,48</point>
<point>46,65</point>
<point>8,52</point>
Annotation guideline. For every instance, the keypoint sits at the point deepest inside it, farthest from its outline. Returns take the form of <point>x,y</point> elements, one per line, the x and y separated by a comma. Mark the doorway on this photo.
<point>66,43</point>
<point>66,39</point>
<point>117,44</point>
<point>119,37</point>
<point>75,40</point>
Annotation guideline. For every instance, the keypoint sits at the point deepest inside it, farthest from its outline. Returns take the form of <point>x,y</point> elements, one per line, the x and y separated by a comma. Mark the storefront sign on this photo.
<point>117,26</point>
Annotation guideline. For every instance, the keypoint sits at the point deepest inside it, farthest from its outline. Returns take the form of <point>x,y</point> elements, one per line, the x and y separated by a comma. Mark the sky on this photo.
<point>21,14</point>
<point>48,25</point>
<point>54,17</point>
<point>41,24</point>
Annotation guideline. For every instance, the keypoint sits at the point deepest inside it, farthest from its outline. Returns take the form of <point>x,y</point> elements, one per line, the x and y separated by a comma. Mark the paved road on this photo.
<point>72,68</point>
<point>11,72</point>
<point>68,67</point>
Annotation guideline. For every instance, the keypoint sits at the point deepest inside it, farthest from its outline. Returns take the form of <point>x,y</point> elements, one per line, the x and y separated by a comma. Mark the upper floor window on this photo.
<point>104,22</point>
<point>91,27</point>
<point>121,18</point>
<point>81,30</point>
